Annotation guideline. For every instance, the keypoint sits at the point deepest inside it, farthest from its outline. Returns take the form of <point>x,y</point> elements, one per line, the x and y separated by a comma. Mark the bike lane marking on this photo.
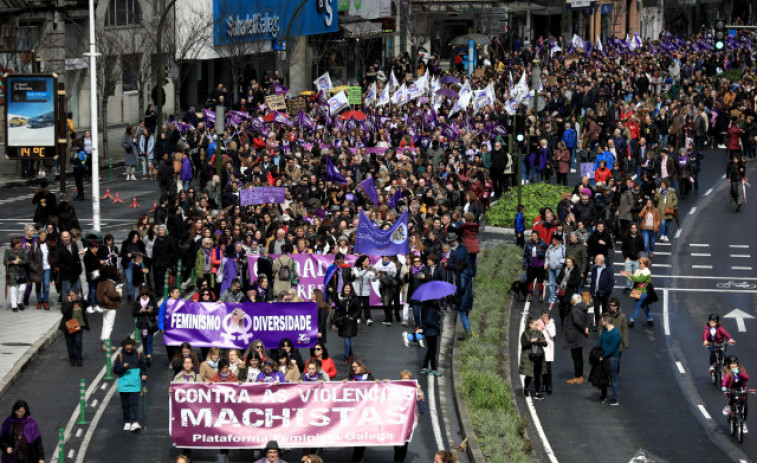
<point>679,365</point>
<point>704,412</point>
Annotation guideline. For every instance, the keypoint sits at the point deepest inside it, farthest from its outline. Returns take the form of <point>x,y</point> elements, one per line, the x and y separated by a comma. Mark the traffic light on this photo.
<point>719,34</point>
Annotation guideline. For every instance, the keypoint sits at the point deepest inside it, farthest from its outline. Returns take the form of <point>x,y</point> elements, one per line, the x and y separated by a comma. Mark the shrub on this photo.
<point>535,196</point>
<point>500,431</point>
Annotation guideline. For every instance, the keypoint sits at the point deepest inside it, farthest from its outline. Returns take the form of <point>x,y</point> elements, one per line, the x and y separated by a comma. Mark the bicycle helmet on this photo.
<point>714,318</point>
<point>732,359</point>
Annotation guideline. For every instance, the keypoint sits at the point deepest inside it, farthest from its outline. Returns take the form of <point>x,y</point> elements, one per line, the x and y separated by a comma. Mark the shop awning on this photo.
<point>479,39</point>
<point>362,29</point>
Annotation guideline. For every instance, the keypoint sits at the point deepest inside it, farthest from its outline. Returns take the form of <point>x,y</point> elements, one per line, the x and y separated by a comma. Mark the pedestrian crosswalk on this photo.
<point>704,260</point>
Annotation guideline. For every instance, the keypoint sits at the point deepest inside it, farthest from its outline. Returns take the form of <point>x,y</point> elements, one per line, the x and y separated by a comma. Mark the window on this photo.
<point>131,63</point>
<point>122,13</point>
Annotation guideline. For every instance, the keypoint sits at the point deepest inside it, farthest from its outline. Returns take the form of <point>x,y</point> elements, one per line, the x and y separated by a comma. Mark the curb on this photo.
<point>28,358</point>
<point>21,182</point>
<point>499,230</point>
<point>473,450</point>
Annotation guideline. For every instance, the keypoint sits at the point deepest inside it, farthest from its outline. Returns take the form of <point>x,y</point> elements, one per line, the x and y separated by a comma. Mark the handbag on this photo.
<point>73,326</point>
<point>561,292</point>
<point>536,353</point>
<point>636,293</point>
<point>670,210</point>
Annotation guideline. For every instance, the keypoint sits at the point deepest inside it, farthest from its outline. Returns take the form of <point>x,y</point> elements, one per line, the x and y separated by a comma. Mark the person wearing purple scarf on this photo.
<point>685,173</point>
<point>20,437</point>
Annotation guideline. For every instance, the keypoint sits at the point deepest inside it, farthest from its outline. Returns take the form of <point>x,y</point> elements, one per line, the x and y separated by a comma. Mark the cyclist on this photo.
<point>713,337</point>
<point>735,377</point>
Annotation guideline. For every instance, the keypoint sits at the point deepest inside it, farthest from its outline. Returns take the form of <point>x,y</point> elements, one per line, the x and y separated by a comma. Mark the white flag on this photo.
<point>415,90</point>
<point>521,87</point>
<point>599,45</point>
<point>323,83</point>
<point>465,90</point>
<point>370,97</point>
<point>385,98</point>
<point>577,41</point>
<point>338,102</point>
<point>400,96</point>
<point>393,81</point>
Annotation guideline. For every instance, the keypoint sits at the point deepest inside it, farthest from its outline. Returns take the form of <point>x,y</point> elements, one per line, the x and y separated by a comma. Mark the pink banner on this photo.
<point>304,415</point>
<point>312,269</point>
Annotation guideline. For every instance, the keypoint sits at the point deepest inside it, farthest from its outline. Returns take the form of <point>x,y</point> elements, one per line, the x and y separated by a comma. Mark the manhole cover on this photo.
<point>15,344</point>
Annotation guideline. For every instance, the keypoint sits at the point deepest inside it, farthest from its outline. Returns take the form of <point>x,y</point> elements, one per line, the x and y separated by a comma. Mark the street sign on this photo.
<point>740,316</point>
<point>30,116</point>
<point>606,9</point>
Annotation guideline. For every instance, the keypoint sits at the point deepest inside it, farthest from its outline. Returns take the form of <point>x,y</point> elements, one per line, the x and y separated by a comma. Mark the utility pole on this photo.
<point>161,76</point>
<point>95,120</point>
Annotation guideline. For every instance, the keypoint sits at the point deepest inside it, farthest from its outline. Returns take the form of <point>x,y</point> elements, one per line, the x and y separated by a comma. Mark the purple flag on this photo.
<point>211,324</point>
<point>369,187</point>
<point>182,127</point>
<point>396,197</point>
<point>280,89</point>
<point>305,122</point>
<point>240,115</point>
<point>451,132</point>
<point>332,173</point>
<point>209,116</point>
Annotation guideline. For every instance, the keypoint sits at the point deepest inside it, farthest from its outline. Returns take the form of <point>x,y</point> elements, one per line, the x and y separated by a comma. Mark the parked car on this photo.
<point>42,121</point>
<point>17,121</point>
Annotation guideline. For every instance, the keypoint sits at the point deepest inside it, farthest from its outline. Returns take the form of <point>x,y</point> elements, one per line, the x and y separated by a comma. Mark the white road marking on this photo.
<point>740,268</point>
<point>71,454</point>
<point>699,245</point>
<point>708,192</point>
<point>433,413</point>
<point>678,233</point>
<point>701,254</point>
<point>704,412</point>
<point>679,365</point>
<point>104,386</point>
<point>739,246</point>
<point>78,432</point>
<point>94,403</point>
<point>707,290</point>
<point>534,417</point>
<point>741,256</point>
<point>708,267</point>
<point>662,253</point>
<point>740,316</point>
<point>692,210</point>
<point>93,425</point>
<point>700,277</point>
<point>665,317</point>
<point>662,265</point>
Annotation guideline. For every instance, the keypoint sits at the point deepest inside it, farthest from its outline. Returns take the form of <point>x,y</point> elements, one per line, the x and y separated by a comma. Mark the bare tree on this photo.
<point>137,62</point>
<point>109,73</point>
<point>422,26</point>
<point>187,34</point>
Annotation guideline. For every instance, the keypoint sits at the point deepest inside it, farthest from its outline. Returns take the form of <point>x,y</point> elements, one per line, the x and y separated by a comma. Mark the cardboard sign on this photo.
<point>587,169</point>
<point>276,102</point>
<point>295,104</point>
<point>480,72</point>
<point>355,95</point>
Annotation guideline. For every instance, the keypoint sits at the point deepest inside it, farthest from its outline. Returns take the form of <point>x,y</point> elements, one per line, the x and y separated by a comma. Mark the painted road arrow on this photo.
<point>740,316</point>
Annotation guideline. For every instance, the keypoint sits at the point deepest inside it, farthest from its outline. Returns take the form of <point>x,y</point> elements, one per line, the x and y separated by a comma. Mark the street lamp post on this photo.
<point>161,76</point>
<point>94,118</point>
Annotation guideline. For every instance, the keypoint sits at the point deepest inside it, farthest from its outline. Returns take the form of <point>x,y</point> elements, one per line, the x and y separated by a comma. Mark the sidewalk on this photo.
<point>10,170</point>
<point>24,335</point>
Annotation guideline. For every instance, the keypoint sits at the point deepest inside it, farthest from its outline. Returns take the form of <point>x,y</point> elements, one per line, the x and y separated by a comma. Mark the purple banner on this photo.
<point>262,195</point>
<point>208,324</point>
<point>312,269</point>
<point>307,415</point>
<point>587,169</point>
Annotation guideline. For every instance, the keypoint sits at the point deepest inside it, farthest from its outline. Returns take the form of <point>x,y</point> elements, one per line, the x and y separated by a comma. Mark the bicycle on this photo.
<point>717,373</point>
<point>736,415</point>
<point>736,285</point>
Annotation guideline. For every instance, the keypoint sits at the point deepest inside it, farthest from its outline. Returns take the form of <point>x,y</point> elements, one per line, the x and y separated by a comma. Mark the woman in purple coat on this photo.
<point>538,161</point>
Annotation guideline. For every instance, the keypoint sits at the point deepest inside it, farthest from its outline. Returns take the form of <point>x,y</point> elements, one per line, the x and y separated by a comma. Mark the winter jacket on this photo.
<point>14,270</point>
<point>526,364</point>
<point>347,313</point>
<point>569,137</point>
<point>531,260</point>
<point>664,201</point>
<point>549,331</point>
<point>469,237</point>
<point>579,252</point>
<point>129,377</point>
<point>186,170</point>
<point>621,324</point>
<point>655,219</point>
<point>721,335</point>
<point>575,325</point>
<point>465,290</point>
<point>606,281</point>
<point>729,379</point>
<point>632,246</point>
<point>108,297</point>
<point>554,258</point>
<point>432,320</point>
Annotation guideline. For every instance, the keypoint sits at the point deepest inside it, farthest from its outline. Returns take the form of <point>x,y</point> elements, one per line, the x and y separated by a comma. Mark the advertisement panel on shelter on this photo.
<point>30,115</point>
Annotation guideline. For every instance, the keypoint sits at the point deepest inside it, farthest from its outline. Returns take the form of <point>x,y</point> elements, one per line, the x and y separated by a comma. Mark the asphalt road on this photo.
<point>51,386</point>
<point>665,385</point>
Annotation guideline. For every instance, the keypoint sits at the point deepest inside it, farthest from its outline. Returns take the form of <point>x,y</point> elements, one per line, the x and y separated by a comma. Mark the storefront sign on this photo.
<point>240,20</point>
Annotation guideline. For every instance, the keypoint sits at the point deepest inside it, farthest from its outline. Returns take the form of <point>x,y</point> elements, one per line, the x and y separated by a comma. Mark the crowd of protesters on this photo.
<point>641,112</point>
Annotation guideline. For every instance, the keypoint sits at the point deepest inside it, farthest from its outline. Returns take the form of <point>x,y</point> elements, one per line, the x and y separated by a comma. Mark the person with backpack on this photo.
<point>131,371</point>
<point>79,161</point>
<point>285,271</point>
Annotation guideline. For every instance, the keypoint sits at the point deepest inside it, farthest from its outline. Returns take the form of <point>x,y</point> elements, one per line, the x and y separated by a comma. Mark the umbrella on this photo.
<point>339,89</point>
<point>433,290</point>
<point>449,80</point>
<point>448,92</point>
<point>422,100</point>
<point>307,93</point>
<point>353,115</point>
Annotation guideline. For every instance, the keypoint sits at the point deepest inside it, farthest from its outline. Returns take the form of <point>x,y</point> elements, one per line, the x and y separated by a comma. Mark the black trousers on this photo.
<point>365,303</point>
<point>74,345</point>
<point>79,177</point>
<point>499,181</point>
<point>400,453</point>
<point>562,179</point>
<point>431,343</point>
<point>577,353</point>
<point>601,304</point>
<point>547,376</point>
<point>130,406</point>
<point>536,379</point>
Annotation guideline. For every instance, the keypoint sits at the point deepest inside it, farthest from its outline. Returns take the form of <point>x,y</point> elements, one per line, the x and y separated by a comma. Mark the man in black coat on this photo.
<point>67,260</point>
<point>500,160</point>
<point>602,283</point>
<point>164,253</point>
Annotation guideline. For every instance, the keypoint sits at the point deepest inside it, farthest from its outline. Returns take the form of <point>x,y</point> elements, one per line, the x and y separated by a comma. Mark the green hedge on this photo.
<point>500,430</point>
<point>535,196</point>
